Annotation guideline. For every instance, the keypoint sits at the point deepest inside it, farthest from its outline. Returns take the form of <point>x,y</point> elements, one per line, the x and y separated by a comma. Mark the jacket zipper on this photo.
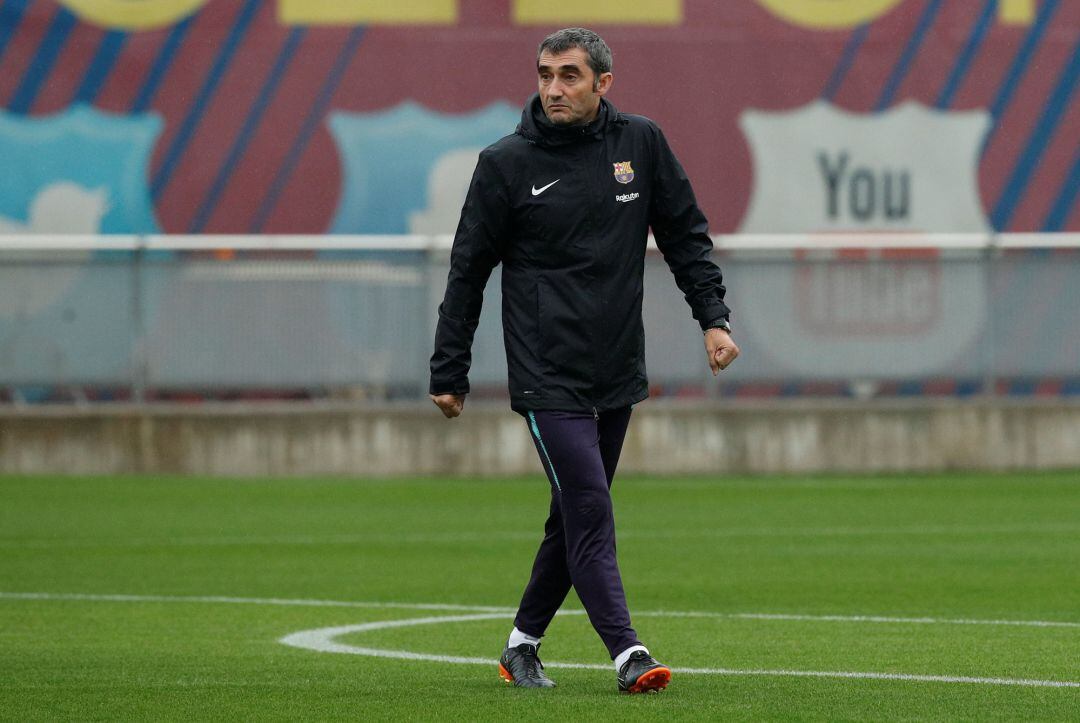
<point>596,154</point>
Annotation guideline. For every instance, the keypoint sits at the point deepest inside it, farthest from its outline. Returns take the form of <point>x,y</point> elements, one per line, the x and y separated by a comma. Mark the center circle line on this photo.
<point>323,640</point>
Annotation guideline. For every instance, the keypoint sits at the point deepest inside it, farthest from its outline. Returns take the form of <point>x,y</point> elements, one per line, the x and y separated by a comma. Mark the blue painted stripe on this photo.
<point>967,54</point>
<point>1020,65</point>
<point>161,65</point>
<point>1064,204</point>
<point>104,59</point>
<point>536,433</point>
<point>311,123</point>
<point>1023,57</point>
<point>903,65</point>
<point>202,100</point>
<point>251,123</point>
<point>847,59</point>
<point>1040,138</point>
<point>51,46</point>
<point>11,15</point>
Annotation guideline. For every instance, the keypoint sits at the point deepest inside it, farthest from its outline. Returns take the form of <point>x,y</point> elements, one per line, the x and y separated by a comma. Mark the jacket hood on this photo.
<point>536,128</point>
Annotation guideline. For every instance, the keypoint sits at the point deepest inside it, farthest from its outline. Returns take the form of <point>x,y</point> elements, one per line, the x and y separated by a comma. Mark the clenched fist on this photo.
<point>450,404</point>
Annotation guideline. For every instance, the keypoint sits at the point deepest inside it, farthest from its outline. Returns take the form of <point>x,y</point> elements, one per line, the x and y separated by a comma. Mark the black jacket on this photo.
<point>567,211</point>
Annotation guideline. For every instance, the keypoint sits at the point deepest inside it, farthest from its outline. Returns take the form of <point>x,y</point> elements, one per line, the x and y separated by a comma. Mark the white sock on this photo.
<point>621,658</point>
<point>517,638</point>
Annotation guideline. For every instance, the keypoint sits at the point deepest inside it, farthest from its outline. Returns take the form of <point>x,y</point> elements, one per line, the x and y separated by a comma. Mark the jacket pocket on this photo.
<point>541,326</point>
<point>564,351</point>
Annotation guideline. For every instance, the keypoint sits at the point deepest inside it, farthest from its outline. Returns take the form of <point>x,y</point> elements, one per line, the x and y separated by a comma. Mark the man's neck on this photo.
<point>593,116</point>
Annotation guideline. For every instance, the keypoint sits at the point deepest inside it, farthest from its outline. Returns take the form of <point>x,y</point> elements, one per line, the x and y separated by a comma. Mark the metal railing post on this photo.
<point>990,253</point>
<point>138,357</point>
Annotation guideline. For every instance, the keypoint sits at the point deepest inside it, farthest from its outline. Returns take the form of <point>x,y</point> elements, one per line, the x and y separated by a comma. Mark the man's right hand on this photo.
<point>450,404</point>
<point>721,349</point>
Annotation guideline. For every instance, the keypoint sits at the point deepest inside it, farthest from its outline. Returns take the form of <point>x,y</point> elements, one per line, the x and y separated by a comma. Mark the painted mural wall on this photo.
<point>363,116</point>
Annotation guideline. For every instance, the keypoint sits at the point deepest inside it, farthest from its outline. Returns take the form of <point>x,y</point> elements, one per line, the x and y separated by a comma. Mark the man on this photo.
<point>565,204</point>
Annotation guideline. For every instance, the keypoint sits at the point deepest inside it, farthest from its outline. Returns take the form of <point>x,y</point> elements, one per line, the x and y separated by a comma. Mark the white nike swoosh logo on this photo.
<point>538,191</point>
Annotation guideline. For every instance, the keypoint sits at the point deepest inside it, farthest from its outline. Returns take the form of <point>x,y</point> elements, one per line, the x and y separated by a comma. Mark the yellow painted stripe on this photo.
<point>368,12</point>
<point>1017,12</point>
<point>613,12</point>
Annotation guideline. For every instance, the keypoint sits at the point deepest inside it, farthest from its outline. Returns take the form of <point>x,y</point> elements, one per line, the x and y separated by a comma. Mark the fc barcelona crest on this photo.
<point>623,172</point>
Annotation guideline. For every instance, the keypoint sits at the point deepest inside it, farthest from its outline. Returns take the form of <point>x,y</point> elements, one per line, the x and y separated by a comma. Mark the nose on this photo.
<point>554,89</point>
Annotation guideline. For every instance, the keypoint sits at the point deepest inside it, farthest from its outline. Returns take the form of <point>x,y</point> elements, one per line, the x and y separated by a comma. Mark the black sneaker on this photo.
<point>522,667</point>
<point>642,674</point>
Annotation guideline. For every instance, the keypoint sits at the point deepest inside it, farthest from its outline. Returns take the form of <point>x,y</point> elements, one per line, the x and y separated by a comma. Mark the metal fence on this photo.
<point>158,317</point>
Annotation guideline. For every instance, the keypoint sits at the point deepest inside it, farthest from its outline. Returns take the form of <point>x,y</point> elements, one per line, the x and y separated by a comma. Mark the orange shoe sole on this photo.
<point>505,674</point>
<point>652,682</point>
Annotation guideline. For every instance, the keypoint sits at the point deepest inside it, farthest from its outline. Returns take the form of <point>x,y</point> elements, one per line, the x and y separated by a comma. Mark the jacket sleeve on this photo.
<point>682,235</point>
<point>476,251</point>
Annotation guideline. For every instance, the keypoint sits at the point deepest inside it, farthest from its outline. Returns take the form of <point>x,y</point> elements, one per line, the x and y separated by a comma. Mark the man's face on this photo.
<point>569,89</point>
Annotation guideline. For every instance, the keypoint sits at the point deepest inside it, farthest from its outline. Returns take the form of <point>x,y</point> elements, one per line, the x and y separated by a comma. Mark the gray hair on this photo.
<point>596,50</point>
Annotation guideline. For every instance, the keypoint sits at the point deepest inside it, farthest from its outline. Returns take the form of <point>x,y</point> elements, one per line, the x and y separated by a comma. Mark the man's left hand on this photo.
<point>721,349</point>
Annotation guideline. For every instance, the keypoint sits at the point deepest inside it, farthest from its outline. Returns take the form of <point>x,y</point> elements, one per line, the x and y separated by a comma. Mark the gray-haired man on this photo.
<point>566,204</point>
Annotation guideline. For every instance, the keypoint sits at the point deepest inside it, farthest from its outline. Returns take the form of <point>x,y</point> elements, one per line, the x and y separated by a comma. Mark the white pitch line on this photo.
<point>914,677</point>
<point>449,607</point>
<point>866,619</point>
<point>323,640</point>
<point>249,601</point>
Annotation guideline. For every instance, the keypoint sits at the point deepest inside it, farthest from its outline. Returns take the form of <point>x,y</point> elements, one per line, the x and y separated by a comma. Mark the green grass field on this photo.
<point>168,598</point>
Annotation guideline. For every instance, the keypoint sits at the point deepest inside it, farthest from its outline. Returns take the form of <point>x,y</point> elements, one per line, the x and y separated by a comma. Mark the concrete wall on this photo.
<point>297,439</point>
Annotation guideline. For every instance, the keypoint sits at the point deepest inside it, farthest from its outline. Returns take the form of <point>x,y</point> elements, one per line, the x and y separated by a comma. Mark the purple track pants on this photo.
<point>579,452</point>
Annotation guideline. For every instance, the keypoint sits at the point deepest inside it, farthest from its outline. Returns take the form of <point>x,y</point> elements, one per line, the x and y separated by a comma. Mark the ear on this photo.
<point>604,82</point>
